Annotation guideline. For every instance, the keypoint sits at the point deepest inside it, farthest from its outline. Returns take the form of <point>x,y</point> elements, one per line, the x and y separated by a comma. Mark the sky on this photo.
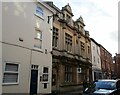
<point>100,18</point>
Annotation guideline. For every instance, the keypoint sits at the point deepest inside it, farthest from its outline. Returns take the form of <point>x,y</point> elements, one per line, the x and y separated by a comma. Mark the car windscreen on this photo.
<point>109,85</point>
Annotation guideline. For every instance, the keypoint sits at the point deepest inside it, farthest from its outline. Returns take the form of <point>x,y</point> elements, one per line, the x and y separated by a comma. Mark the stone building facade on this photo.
<point>71,55</point>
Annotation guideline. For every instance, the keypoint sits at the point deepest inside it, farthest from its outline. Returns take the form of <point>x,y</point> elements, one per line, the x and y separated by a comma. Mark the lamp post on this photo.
<point>52,16</point>
<point>49,17</point>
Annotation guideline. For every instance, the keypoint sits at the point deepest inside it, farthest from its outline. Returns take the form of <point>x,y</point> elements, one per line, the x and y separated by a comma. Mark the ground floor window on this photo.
<point>68,74</point>
<point>11,73</point>
<point>97,75</point>
<point>45,73</point>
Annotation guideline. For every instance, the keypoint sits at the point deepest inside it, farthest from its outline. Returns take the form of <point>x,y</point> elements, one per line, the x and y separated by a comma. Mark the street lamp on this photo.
<point>49,17</point>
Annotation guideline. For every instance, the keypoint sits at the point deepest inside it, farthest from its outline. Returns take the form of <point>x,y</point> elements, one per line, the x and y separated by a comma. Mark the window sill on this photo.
<point>4,84</point>
<point>45,82</point>
<point>39,16</point>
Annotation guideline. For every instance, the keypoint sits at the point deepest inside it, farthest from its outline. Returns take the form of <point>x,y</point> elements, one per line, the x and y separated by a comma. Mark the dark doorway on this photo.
<point>33,82</point>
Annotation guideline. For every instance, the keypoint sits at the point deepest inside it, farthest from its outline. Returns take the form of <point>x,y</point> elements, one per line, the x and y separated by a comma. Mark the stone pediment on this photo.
<point>68,9</point>
<point>80,19</point>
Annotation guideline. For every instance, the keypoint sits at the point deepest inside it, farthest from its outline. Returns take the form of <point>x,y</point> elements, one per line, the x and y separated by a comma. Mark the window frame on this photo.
<point>68,42</point>
<point>39,11</point>
<point>38,39</point>
<point>68,74</point>
<point>11,72</point>
<point>98,60</point>
<point>55,38</point>
<point>45,74</point>
<point>82,46</point>
<point>88,49</point>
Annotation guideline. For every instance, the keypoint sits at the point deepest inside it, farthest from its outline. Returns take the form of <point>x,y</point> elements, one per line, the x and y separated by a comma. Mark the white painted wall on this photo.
<point>19,21</point>
<point>22,57</point>
<point>0,68</point>
<point>95,53</point>
<point>0,48</point>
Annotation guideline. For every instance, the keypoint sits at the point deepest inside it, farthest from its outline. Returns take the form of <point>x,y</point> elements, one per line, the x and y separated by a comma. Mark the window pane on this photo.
<point>10,78</point>
<point>45,70</point>
<point>45,77</point>
<point>38,43</point>
<point>45,85</point>
<point>39,11</point>
<point>39,35</point>
<point>11,67</point>
<point>68,42</point>
<point>38,39</point>
<point>55,37</point>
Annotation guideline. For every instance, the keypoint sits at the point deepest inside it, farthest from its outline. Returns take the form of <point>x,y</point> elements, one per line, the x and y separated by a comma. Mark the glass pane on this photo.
<point>11,67</point>
<point>45,70</point>
<point>38,43</point>
<point>39,11</point>
<point>45,85</point>
<point>45,77</point>
<point>10,78</point>
<point>39,35</point>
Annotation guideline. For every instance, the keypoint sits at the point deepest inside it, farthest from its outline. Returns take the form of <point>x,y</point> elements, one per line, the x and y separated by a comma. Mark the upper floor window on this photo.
<point>81,28</point>
<point>78,27</point>
<point>63,16</point>
<point>38,39</point>
<point>68,42</point>
<point>93,47</point>
<point>105,53</point>
<point>82,48</point>
<point>98,60</point>
<point>94,58</point>
<point>11,73</point>
<point>68,19</point>
<point>39,11</point>
<point>88,49</point>
<point>55,37</point>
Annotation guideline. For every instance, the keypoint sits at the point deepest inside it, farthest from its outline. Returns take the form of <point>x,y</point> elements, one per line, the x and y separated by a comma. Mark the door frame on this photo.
<point>34,67</point>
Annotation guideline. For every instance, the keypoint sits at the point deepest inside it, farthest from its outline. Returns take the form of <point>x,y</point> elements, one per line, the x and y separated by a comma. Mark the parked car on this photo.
<point>103,87</point>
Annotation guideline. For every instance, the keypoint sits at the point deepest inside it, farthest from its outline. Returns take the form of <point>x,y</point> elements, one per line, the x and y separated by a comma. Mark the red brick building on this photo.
<point>116,66</point>
<point>106,62</point>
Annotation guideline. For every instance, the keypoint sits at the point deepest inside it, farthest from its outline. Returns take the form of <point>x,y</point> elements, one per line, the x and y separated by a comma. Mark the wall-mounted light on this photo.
<point>49,17</point>
<point>20,39</point>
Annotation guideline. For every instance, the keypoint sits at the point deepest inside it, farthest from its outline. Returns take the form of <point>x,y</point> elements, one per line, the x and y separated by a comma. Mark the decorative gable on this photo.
<point>68,9</point>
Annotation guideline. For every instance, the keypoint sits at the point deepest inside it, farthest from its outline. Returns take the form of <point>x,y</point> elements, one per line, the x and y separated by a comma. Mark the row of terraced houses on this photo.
<point>45,50</point>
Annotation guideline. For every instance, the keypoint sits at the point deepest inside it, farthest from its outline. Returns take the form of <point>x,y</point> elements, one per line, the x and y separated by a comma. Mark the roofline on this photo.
<point>100,45</point>
<point>105,49</point>
<point>45,5</point>
<point>95,42</point>
<point>54,7</point>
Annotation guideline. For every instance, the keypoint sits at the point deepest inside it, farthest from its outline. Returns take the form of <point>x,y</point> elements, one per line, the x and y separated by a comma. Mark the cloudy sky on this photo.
<point>100,18</point>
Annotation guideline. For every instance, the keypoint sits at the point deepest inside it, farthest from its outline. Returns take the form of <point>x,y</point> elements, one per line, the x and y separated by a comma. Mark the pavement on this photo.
<point>75,92</point>
<point>68,93</point>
